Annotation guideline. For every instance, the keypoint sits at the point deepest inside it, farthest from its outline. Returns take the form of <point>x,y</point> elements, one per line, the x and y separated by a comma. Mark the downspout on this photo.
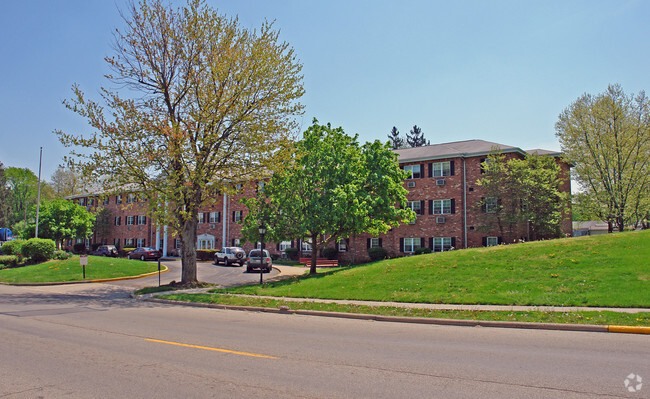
<point>224,219</point>
<point>464,204</point>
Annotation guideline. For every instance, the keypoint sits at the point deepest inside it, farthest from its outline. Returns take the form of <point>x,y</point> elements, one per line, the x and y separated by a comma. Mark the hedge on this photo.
<point>377,253</point>
<point>292,253</point>
<point>422,250</point>
<point>8,261</point>
<point>12,247</point>
<point>38,249</point>
<point>205,254</point>
<point>330,253</point>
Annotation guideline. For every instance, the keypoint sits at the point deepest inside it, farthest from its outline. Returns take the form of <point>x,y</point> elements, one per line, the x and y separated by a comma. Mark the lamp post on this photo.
<point>262,231</point>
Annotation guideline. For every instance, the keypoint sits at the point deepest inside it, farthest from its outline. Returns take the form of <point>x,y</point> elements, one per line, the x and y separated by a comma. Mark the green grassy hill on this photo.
<point>610,270</point>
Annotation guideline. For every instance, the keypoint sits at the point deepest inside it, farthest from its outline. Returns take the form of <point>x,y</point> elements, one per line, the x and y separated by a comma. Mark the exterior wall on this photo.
<point>423,189</point>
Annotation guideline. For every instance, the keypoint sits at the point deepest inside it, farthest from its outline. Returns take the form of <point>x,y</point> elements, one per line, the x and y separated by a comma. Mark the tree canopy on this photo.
<point>61,219</point>
<point>520,192</point>
<point>204,103</point>
<point>333,189</point>
<point>607,139</point>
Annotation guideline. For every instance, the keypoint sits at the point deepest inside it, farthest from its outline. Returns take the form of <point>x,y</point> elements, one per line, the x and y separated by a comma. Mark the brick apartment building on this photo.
<point>442,191</point>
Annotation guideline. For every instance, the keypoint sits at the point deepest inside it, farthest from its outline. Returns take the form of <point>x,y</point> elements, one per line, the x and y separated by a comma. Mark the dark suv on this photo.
<point>230,255</point>
<point>105,250</point>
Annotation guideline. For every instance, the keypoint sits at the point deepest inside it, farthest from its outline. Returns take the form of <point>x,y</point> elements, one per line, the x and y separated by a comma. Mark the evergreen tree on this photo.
<point>416,138</point>
<point>396,141</point>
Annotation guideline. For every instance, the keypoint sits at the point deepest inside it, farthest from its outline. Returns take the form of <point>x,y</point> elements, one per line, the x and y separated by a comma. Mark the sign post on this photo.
<point>83,261</point>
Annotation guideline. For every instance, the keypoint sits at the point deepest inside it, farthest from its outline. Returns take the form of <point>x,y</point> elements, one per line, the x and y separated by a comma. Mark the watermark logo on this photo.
<point>633,382</point>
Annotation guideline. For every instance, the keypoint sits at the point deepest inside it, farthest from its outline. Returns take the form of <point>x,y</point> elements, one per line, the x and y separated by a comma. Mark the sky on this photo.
<point>499,71</point>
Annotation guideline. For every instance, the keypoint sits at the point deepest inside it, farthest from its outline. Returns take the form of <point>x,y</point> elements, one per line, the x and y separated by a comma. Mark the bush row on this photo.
<point>35,249</point>
<point>205,254</point>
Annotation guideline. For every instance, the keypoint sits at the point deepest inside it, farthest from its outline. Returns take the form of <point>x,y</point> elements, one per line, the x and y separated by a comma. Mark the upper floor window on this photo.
<point>130,198</point>
<point>118,199</point>
<point>416,206</point>
<point>215,217</point>
<point>441,169</point>
<point>237,216</point>
<point>141,219</point>
<point>130,220</point>
<point>440,207</point>
<point>201,217</point>
<point>415,170</point>
<point>491,204</point>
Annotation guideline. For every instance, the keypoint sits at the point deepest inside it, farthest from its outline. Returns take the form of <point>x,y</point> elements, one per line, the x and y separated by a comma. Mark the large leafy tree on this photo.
<point>607,139</point>
<point>61,219</point>
<point>23,185</point>
<point>523,193</point>
<point>334,188</point>
<point>205,103</point>
<point>65,182</point>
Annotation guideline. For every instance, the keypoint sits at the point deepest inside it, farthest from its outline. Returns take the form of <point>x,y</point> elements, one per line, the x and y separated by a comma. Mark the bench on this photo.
<point>320,262</point>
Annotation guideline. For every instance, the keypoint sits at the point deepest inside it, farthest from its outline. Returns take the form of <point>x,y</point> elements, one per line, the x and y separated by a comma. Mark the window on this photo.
<point>260,187</point>
<point>140,242</point>
<point>201,217</point>
<point>128,242</point>
<point>415,170</point>
<point>91,201</point>
<point>118,220</point>
<point>239,186</point>
<point>236,242</point>
<point>342,245</point>
<point>177,243</point>
<point>130,220</point>
<point>142,219</point>
<point>484,164</point>
<point>215,217</point>
<point>116,242</point>
<point>441,169</point>
<point>305,246</point>
<point>130,198</point>
<point>411,244</point>
<point>82,201</point>
<point>440,207</point>
<point>284,245</point>
<point>205,241</point>
<point>491,204</point>
<point>105,201</point>
<point>374,242</point>
<point>118,199</point>
<point>237,216</point>
<point>416,206</point>
<point>441,244</point>
<point>491,241</point>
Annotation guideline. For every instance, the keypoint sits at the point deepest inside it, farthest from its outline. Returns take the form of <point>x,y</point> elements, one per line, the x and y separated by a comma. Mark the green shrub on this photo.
<point>422,250</point>
<point>330,253</point>
<point>38,249</point>
<point>205,254</point>
<point>12,247</point>
<point>61,255</point>
<point>292,253</point>
<point>79,248</point>
<point>8,261</point>
<point>377,253</point>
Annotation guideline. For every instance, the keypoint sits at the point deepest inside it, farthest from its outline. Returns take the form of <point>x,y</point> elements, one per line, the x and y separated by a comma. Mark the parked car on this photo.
<point>105,250</point>
<point>229,255</point>
<point>144,253</point>
<point>255,261</point>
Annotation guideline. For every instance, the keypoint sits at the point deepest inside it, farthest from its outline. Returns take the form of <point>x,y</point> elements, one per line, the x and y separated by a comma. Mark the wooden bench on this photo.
<point>320,262</point>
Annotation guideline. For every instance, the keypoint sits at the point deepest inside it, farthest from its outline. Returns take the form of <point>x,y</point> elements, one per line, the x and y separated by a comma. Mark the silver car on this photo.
<point>254,261</point>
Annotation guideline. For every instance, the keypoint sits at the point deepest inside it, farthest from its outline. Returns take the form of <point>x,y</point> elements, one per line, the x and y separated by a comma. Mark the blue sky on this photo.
<point>500,71</point>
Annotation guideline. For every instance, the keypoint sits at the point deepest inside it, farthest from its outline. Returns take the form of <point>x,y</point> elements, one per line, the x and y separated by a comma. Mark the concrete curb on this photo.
<point>104,280</point>
<point>417,320</point>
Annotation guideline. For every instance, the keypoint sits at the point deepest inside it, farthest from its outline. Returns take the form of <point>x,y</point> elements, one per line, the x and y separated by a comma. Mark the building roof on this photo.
<point>467,148</point>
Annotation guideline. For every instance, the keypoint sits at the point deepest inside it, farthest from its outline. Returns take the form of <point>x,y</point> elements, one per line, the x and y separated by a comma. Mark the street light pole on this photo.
<point>262,231</point>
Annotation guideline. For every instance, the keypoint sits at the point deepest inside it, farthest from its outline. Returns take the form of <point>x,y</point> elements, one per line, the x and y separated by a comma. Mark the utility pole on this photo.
<point>38,198</point>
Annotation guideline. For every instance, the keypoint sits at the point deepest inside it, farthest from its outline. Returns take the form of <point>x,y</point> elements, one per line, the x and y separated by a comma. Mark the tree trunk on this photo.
<point>314,254</point>
<point>188,250</point>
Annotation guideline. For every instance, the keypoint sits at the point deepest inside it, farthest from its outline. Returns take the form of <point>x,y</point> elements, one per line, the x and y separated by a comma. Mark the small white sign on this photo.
<point>83,260</point>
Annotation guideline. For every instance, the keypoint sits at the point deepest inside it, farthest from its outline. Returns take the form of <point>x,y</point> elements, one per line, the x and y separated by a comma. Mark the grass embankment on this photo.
<point>70,270</point>
<point>611,270</point>
<point>591,317</point>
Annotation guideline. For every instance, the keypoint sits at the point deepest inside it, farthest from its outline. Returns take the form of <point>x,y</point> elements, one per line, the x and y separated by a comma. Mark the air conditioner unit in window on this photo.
<point>441,219</point>
<point>410,184</point>
<point>212,226</point>
<point>412,221</point>
<point>440,182</point>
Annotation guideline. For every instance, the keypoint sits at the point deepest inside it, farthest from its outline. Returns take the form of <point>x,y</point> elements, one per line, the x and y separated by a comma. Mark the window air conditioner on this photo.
<point>441,219</point>
<point>212,226</point>
<point>410,184</point>
<point>440,182</point>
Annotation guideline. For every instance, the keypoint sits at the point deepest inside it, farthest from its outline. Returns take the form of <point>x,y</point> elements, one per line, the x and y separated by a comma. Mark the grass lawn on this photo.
<point>69,270</point>
<point>611,270</point>
<point>596,318</point>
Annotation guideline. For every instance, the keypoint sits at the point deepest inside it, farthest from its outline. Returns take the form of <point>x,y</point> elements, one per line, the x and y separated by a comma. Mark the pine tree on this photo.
<point>396,141</point>
<point>416,138</point>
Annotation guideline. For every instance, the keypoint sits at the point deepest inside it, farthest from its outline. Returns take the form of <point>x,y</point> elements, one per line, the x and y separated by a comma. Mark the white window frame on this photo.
<point>412,169</point>
<point>213,217</point>
<point>128,242</point>
<point>130,198</point>
<point>284,245</point>
<point>305,246</point>
<point>413,205</point>
<point>130,220</point>
<point>140,242</point>
<point>200,217</point>
<point>118,199</point>
<point>342,245</point>
<point>492,241</point>
<point>441,244</point>
<point>441,169</point>
<point>441,207</point>
<point>491,204</point>
<point>239,216</point>
<point>177,243</point>
<point>141,219</point>
<point>374,242</point>
<point>411,244</point>
<point>237,242</point>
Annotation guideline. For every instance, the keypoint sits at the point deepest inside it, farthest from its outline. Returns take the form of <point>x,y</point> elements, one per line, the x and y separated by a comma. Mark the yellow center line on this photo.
<point>210,349</point>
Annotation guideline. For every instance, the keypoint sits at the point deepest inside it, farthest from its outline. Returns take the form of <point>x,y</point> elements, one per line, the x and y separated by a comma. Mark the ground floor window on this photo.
<point>342,245</point>
<point>411,244</point>
<point>441,244</point>
<point>284,245</point>
<point>128,242</point>
<point>177,243</point>
<point>140,242</point>
<point>491,241</point>
<point>305,246</point>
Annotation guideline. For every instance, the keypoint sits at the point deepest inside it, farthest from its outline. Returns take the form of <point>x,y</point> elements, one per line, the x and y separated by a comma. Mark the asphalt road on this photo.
<point>90,341</point>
